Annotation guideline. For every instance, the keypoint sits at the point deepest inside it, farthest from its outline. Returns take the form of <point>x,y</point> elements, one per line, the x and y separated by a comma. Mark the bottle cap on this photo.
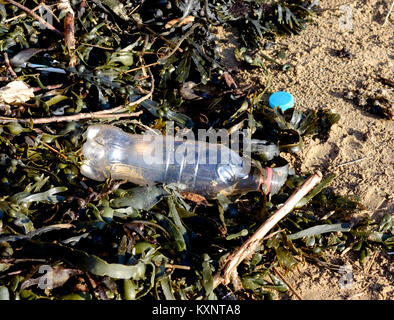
<point>281,99</point>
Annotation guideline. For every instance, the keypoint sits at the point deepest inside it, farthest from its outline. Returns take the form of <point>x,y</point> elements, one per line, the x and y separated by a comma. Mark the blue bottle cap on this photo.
<point>281,99</point>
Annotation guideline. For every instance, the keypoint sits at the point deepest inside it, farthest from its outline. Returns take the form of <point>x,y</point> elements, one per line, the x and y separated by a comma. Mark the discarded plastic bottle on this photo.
<point>149,159</point>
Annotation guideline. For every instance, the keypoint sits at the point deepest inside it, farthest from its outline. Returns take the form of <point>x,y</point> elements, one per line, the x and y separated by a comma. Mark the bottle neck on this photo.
<point>255,180</point>
<point>267,180</point>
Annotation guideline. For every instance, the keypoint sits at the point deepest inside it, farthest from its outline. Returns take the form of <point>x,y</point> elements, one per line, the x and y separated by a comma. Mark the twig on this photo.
<point>371,262</point>
<point>79,116</point>
<point>163,38</point>
<point>248,247</point>
<point>388,14</point>
<point>22,260</point>
<point>353,161</point>
<point>273,234</point>
<point>287,283</point>
<point>176,266</point>
<point>187,35</point>
<point>355,296</point>
<point>69,39</point>
<point>50,11</point>
<point>35,16</point>
<point>23,14</point>
<point>53,149</point>
<point>142,67</point>
<point>8,64</point>
<point>49,87</point>
<point>46,6</point>
<point>143,126</point>
<point>97,46</point>
<point>12,273</point>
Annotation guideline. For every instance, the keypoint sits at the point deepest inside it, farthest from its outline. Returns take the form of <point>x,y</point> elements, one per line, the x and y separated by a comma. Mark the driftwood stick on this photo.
<point>75,117</point>
<point>231,263</point>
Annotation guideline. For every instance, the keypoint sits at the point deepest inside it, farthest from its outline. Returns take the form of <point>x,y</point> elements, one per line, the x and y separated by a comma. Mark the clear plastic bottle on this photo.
<point>149,159</point>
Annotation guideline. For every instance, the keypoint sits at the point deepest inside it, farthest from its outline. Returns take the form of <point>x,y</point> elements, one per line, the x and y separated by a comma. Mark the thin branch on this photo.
<point>22,260</point>
<point>79,116</point>
<point>231,263</point>
<point>176,266</point>
<point>142,67</point>
<point>51,148</point>
<point>23,14</point>
<point>49,87</point>
<point>35,16</point>
<point>187,35</point>
<point>354,161</point>
<point>50,11</point>
<point>287,283</point>
<point>371,262</point>
<point>96,46</point>
<point>163,38</point>
<point>273,234</point>
<point>8,64</point>
<point>388,14</point>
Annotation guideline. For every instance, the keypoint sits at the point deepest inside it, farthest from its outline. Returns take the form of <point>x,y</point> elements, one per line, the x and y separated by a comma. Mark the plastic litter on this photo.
<point>149,159</point>
<point>281,99</point>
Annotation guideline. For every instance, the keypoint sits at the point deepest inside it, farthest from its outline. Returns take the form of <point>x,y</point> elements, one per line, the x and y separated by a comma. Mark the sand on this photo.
<point>341,56</point>
<point>322,79</point>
